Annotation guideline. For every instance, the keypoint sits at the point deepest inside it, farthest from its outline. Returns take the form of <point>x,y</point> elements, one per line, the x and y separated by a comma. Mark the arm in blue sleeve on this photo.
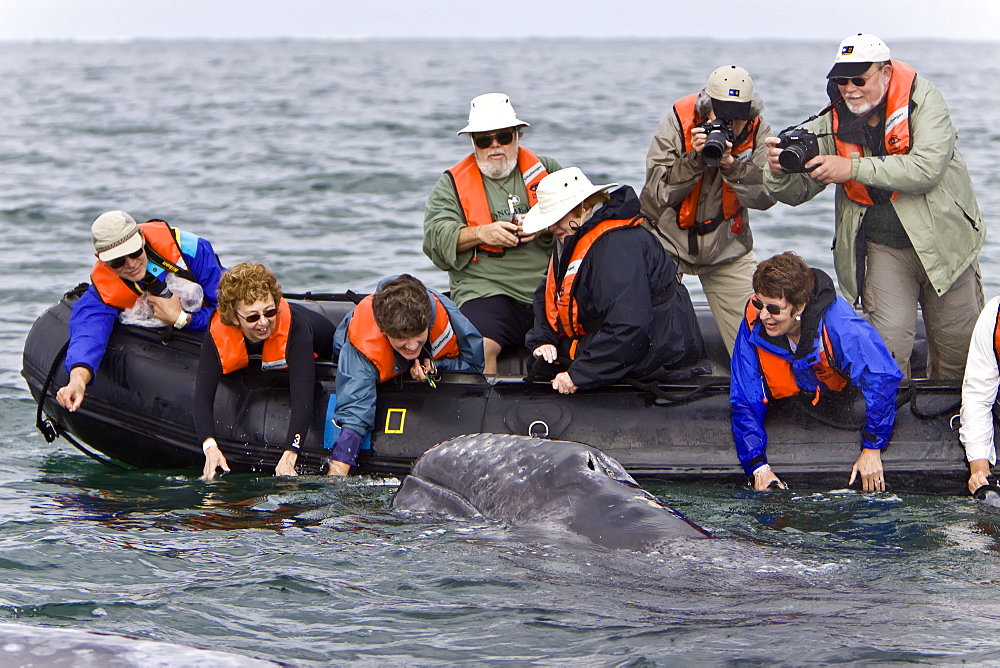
<point>204,264</point>
<point>357,379</point>
<point>470,342</point>
<point>859,351</point>
<point>90,326</point>
<point>746,395</point>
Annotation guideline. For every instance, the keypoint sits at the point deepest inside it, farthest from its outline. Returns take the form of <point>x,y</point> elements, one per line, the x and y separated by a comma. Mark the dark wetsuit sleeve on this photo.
<point>206,383</point>
<point>310,333</point>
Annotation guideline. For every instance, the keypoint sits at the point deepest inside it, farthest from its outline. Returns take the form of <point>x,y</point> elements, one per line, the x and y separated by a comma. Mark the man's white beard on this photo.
<point>497,170</point>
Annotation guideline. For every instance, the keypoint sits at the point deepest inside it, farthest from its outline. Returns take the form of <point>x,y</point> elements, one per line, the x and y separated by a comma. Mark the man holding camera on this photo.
<point>703,171</point>
<point>472,227</point>
<point>908,227</point>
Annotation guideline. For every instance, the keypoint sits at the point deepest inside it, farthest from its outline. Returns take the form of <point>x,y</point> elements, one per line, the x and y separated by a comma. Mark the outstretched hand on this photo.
<point>869,466</point>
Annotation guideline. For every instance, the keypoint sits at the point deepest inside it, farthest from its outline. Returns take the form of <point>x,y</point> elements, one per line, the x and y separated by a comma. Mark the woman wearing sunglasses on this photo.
<point>610,304</point>
<point>799,336</point>
<point>255,327</point>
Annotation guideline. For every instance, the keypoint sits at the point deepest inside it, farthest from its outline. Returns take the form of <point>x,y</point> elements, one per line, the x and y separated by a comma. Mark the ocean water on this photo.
<point>316,157</point>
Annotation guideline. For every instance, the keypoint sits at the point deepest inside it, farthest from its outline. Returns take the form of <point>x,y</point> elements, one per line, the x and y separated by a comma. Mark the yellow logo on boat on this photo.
<point>394,420</point>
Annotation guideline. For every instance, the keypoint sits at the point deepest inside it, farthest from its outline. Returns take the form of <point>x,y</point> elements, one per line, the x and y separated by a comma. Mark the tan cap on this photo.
<point>731,90</point>
<point>115,235</point>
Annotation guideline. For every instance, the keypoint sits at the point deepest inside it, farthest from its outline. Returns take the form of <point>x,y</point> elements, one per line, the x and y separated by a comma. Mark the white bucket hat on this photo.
<point>115,235</point>
<point>558,193</point>
<point>856,54</point>
<point>491,111</point>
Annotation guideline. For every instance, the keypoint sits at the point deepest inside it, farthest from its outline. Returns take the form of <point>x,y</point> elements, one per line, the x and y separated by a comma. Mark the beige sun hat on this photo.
<point>558,193</point>
<point>115,235</point>
<point>731,90</point>
<point>491,111</point>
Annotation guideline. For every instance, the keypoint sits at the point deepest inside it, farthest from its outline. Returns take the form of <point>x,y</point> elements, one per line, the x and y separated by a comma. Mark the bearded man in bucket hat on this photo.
<point>697,199</point>
<point>472,226</point>
<point>908,227</point>
<point>611,306</point>
<point>146,266</point>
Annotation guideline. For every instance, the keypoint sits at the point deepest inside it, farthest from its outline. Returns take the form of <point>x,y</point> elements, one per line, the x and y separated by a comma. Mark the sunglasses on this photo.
<point>503,138</point>
<point>119,262</point>
<point>254,317</point>
<point>773,309</point>
<point>857,81</point>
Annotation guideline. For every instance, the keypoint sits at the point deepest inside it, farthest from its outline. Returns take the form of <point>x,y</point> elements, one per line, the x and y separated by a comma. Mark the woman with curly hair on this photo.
<point>255,327</point>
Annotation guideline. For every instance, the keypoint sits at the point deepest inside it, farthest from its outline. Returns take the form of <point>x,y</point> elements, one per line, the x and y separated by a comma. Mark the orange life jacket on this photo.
<point>364,334</point>
<point>897,127</point>
<point>561,308</point>
<point>232,347</point>
<point>777,370</point>
<point>731,207</point>
<point>468,181</point>
<point>164,241</point>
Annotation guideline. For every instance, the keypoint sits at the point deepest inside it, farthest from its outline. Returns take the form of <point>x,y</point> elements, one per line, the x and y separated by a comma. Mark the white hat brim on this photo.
<point>490,127</point>
<point>129,246</point>
<point>536,221</point>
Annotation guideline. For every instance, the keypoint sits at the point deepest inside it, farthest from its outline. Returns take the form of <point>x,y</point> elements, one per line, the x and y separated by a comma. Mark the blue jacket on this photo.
<point>858,353</point>
<point>91,322</point>
<point>357,377</point>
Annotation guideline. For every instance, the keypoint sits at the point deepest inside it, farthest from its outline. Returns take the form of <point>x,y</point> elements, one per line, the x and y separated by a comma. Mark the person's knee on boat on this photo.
<point>800,337</point>
<point>472,226</point>
<point>403,327</point>
<point>611,297</point>
<point>255,327</point>
<point>135,265</point>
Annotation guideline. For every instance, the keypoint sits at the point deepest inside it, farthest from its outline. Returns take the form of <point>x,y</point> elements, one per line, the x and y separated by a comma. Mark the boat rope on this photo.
<point>947,409</point>
<point>50,430</point>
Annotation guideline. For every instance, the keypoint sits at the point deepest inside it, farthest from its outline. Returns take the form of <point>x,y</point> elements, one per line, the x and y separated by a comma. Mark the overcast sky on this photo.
<point>802,19</point>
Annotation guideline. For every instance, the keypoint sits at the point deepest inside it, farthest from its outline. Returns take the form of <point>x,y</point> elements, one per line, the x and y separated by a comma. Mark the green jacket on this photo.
<point>516,274</point>
<point>936,203</point>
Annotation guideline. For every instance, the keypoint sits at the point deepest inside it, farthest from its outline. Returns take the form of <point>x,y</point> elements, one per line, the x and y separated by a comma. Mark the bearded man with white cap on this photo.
<point>146,266</point>
<point>908,226</point>
<point>472,226</point>
<point>611,306</point>
<point>697,198</point>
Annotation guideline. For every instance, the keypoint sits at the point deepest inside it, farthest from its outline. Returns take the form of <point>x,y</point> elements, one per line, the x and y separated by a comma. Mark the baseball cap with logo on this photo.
<point>115,235</point>
<point>731,90</point>
<point>856,55</point>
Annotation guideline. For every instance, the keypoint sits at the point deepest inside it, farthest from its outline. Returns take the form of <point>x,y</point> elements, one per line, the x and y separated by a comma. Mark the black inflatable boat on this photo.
<point>137,413</point>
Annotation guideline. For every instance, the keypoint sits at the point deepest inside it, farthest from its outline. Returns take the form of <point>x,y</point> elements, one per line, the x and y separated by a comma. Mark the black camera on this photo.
<point>717,133</point>
<point>798,146</point>
<point>157,288</point>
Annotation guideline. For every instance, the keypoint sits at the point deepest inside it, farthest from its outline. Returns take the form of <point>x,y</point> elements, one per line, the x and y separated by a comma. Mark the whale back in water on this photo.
<point>526,480</point>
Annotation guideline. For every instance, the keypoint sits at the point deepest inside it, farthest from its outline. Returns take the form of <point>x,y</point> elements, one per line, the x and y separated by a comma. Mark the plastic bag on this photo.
<point>140,314</point>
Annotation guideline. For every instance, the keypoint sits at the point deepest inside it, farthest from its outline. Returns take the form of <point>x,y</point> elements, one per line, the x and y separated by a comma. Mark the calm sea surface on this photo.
<point>316,157</point>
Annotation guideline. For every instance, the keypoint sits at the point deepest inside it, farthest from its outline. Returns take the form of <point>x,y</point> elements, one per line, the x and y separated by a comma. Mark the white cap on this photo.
<point>558,194</point>
<point>115,235</point>
<point>491,111</point>
<point>856,55</point>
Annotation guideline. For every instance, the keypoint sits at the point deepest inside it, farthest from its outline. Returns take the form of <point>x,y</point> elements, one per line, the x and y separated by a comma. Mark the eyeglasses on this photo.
<point>119,262</point>
<point>503,138</point>
<point>254,317</point>
<point>773,309</point>
<point>857,81</point>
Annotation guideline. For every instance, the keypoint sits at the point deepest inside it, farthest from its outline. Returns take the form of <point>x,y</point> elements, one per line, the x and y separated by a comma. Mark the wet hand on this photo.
<point>764,479</point>
<point>214,460</point>
<point>979,473</point>
<point>830,169</point>
<point>338,468</point>
<point>70,396</point>
<point>286,465</point>
<point>546,352</point>
<point>869,466</point>
<point>165,309</point>
<point>563,384</point>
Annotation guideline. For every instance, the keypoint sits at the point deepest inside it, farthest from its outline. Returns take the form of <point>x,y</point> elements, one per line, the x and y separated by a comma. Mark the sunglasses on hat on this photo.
<point>254,317</point>
<point>773,309</point>
<point>119,262</point>
<point>485,141</point>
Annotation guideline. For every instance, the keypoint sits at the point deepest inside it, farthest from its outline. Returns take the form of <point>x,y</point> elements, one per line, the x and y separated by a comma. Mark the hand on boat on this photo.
<point>70,396</point>
<point>421,369</point>
<point>214,459</point>
<point>546,352</point>
<point>286,465</point>
<point>166,309</point>
<point>979,473</point>
<point>563,384</point>
<point>869,465</point>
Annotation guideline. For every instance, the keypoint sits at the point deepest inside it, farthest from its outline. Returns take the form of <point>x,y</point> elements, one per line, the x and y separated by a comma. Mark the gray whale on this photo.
<point>525,480</point>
